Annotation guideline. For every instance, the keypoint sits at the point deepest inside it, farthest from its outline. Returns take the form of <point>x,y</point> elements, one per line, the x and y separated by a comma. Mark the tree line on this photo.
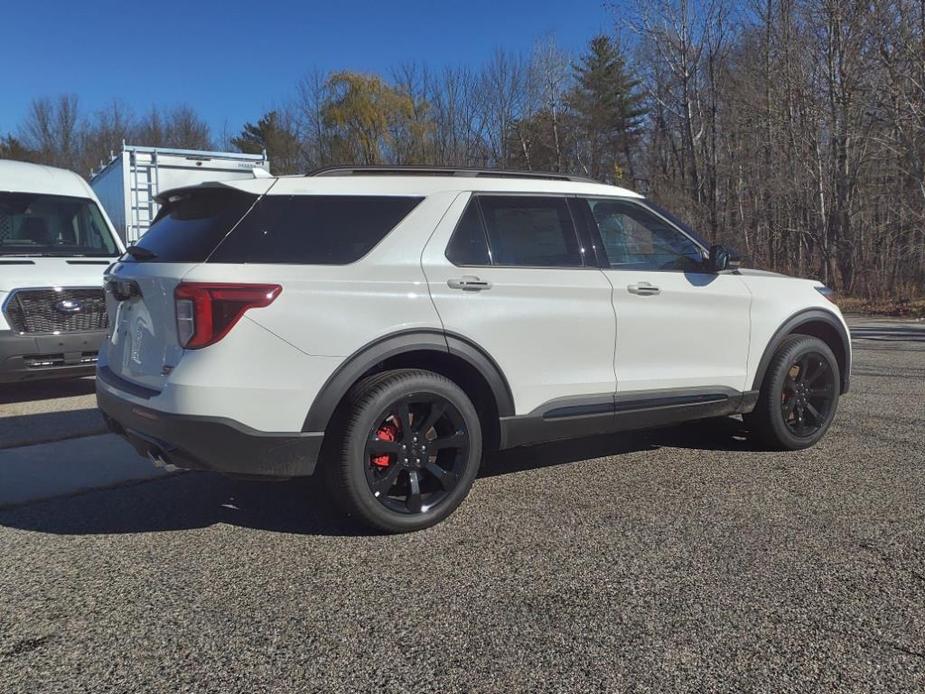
<point>791,130</point>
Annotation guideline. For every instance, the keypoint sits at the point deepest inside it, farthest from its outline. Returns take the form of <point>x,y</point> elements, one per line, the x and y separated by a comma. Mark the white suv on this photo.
<point>391,325</point>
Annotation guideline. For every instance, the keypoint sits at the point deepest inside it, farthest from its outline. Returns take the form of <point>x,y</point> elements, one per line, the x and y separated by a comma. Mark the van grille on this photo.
<point>49,311</point>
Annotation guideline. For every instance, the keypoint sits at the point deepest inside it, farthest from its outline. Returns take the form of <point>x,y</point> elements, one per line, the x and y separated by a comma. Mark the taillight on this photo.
<point>206,311</point>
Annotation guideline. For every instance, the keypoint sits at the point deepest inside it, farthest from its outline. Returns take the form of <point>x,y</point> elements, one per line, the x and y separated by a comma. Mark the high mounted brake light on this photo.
<point>207,311</point>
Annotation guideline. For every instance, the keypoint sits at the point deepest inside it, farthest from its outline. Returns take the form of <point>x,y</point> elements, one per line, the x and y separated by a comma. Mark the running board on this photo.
<point>581,417</point>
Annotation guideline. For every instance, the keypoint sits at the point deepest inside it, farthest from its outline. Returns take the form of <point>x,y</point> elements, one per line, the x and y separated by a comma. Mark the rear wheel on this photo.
<point>410,451</point>
<point>799,395</point>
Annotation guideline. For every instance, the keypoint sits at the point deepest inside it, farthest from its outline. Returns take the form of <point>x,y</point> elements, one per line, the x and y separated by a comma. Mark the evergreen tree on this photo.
<point>607,110</point>
<point>274,134</point>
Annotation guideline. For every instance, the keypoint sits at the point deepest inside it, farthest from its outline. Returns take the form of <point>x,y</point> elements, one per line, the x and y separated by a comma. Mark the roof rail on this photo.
<point>411,170</point>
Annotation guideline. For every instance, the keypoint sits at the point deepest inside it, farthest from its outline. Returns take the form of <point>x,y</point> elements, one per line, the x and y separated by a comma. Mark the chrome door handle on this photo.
<point>469,283</point>
<point>643,289</point>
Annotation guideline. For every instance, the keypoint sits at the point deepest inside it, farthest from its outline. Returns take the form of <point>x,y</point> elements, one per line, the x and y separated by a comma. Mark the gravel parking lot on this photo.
<point>676,560</point>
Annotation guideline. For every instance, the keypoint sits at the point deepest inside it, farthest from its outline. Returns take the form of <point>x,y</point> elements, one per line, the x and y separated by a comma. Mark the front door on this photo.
<point>679,325</point>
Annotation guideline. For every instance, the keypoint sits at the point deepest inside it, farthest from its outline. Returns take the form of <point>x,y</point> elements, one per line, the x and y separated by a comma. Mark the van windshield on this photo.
<point>34,224</point>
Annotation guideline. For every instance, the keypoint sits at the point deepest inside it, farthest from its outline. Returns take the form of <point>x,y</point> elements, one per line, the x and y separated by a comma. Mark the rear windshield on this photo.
<point>189,227</point>
<point>33,224</point>
<point>313,229</point>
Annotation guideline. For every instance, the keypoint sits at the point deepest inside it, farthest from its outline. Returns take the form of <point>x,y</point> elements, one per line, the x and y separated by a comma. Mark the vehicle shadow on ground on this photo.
<point>197,499</point>
<point>45,390</point>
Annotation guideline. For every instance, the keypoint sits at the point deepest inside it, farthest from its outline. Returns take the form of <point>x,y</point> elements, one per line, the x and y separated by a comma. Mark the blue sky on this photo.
<point>233,60</point>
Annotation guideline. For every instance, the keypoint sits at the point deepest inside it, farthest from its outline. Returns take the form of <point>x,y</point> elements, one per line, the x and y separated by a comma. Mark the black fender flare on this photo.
<point>367,357</point>
<point>810,315</point>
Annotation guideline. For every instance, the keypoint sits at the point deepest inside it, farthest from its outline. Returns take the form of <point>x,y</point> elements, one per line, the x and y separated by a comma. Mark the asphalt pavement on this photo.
<point>675,560</point>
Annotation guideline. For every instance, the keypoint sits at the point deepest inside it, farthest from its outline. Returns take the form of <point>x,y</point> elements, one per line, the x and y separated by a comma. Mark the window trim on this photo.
<point>603,258</point>
<point>588,262</point>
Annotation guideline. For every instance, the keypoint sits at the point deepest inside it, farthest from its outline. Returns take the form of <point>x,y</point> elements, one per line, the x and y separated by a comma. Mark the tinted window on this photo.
<point>636,239</point>
<point>530,231</point>
<point>469,245</point>
<point>189,228</point>
<point>52,225</point>
<point>313,229</point>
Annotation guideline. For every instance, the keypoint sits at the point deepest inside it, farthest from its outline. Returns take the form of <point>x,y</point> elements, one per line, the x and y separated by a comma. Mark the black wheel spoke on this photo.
<point>803,365</point>
<point>384,484</point>
<point>414,492</point>
<point>814,412</point>
<point>436,412</point>
<point>382,446</point>
<point>446,479</point>
<point>788,407</point>
<point>457,440</point>
<point>820,371</point>
<point>403,415</point>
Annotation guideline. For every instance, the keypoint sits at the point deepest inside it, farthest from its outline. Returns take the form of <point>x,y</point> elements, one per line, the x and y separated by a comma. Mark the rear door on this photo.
<point>510,273</point>
<point>679,325</point>
<point>143,346</point>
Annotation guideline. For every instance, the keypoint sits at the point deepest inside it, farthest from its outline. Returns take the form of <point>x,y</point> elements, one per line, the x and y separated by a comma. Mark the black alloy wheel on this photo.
<point>417,452</point>
<point>799,395</point>
<point>407,450</point>
<point>807,394</point>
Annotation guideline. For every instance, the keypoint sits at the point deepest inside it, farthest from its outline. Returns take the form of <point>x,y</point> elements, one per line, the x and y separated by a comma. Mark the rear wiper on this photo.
<point>139,253</point>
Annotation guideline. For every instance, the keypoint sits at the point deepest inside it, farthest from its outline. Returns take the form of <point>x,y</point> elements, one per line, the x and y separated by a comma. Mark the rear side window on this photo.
<point>530,231</point>
<point>188,228</point>
<point>313,229</point>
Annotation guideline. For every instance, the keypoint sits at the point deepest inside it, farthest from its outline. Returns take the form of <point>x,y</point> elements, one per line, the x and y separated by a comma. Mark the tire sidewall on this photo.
<point>354,450</point>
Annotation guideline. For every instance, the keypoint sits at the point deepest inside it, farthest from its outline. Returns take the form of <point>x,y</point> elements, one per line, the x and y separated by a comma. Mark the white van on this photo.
<point>55,244</point>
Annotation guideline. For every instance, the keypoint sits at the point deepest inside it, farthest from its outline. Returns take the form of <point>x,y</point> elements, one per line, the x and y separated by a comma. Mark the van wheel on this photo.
<point>799,395</point>
<point>409,453</point>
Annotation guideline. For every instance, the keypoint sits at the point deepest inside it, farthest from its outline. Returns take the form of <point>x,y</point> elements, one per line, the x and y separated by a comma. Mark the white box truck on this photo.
<point>128,184</point>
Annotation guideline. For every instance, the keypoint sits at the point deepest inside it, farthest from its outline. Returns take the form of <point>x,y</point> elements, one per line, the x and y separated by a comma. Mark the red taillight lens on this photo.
<point>207,311</point>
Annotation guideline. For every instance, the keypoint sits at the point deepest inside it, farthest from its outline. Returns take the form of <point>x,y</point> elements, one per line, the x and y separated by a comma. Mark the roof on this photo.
<point>21,177</point>
<point>414,185</point>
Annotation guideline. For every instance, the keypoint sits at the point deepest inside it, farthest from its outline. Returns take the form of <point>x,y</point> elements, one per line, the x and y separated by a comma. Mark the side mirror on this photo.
<point>719,258</point>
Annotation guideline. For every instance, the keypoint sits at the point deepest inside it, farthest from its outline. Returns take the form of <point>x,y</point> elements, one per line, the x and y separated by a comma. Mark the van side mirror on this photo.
<point>719,258</point>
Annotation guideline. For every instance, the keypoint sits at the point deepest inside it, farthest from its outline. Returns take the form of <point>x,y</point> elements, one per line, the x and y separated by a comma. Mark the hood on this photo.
<point>22,272</point>
<point>751,272</point>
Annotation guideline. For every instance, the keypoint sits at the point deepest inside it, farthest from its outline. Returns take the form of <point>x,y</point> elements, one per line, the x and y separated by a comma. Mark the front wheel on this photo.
<point>799,395</point>
<point>410,450</point>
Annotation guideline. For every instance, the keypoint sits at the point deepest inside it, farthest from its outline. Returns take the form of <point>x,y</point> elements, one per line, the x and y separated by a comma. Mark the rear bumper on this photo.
<point>29,357</point>
<point>206,443</point>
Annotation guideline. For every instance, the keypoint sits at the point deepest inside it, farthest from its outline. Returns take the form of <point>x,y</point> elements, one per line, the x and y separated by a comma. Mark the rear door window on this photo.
<point>187,229</point>
<point>313,229</point>
<point>530,231</point>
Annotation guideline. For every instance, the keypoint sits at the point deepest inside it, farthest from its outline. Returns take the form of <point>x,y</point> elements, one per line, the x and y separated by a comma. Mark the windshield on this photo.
<point>34,224</point>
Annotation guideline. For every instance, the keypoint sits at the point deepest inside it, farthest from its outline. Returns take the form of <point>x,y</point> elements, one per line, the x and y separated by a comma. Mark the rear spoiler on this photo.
<point>164,197</point>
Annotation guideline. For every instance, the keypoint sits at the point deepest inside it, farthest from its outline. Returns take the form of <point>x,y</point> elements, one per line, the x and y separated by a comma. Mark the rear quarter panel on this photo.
<point>334,310</point>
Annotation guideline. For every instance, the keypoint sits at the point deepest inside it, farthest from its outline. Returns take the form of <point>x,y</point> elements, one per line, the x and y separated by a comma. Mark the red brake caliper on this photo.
<point>387,432</point>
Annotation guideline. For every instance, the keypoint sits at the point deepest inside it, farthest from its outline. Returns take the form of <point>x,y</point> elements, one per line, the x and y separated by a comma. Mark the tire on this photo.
<point>396,489</point>
<point>799,395</point>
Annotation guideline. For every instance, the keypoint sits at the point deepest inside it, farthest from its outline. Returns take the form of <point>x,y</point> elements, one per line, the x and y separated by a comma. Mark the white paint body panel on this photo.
<point>695,332</point>
<point>551,331</point>
<point>775,299</point>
